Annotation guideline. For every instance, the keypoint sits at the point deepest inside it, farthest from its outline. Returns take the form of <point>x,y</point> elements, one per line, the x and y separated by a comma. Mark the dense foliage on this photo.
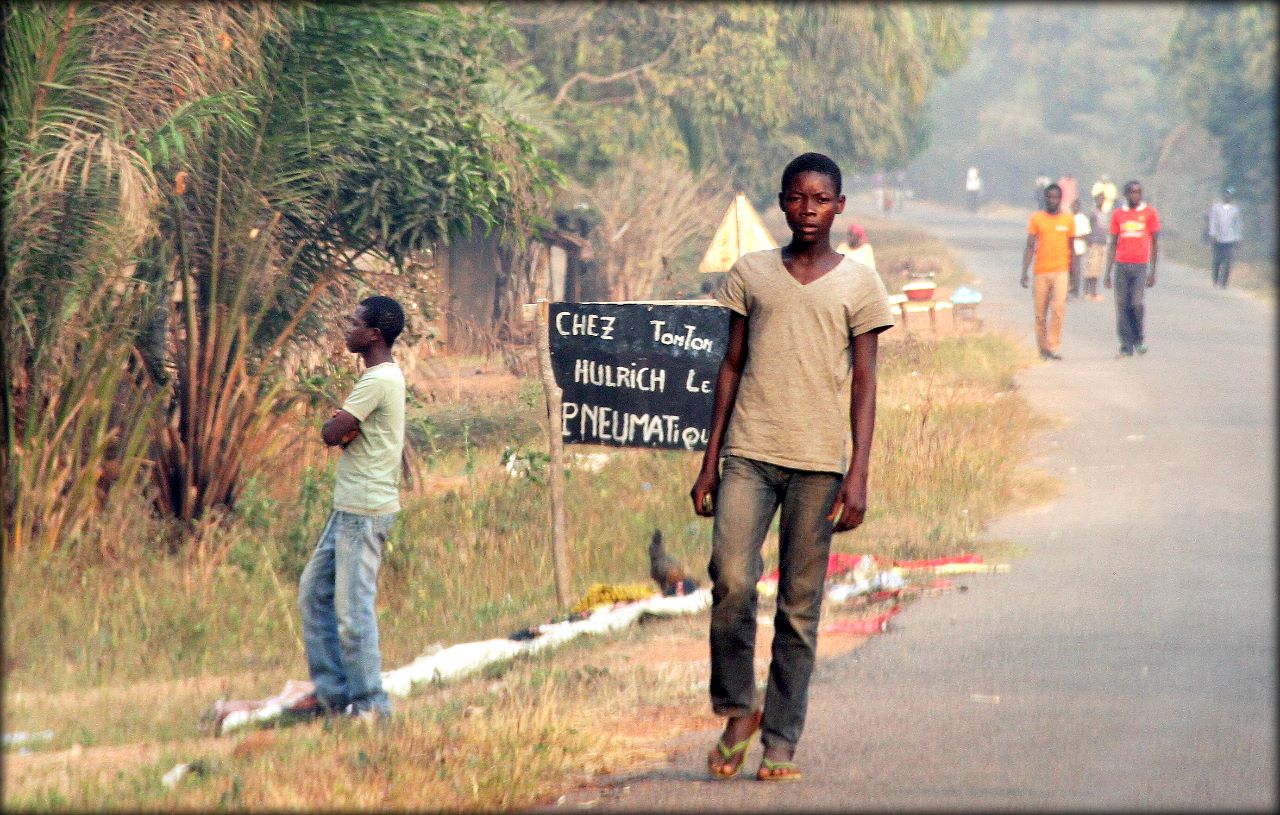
<point>186,183</point>
<point>183,182</point>
<point>741,88</point>
<point>1224,58</point>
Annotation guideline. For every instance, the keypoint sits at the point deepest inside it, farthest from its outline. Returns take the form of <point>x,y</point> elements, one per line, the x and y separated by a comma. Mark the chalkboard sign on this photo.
<point>637,374</point>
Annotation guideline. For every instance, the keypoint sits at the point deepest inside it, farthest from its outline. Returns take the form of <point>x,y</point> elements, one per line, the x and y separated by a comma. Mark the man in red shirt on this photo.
<point>1135,228</point>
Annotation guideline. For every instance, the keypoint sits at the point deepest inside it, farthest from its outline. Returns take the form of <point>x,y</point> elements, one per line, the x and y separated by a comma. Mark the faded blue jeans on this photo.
<point>339,624</point>
<point>750,493</point>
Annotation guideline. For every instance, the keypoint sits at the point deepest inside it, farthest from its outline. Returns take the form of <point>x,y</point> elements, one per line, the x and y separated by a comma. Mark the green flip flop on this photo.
<point>720,758</point>
<point>778,771</point>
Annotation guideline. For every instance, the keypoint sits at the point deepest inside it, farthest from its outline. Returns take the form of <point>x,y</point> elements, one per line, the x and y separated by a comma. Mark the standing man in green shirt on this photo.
<point>339,586</point>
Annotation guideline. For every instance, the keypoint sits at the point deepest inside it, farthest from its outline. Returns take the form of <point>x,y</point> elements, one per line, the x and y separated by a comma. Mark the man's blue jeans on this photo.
<point>749,495</point>
<point>339,624</point>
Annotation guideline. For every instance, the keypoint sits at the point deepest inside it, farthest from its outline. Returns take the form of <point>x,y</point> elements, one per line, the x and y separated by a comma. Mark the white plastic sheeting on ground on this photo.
<point>464,659</point>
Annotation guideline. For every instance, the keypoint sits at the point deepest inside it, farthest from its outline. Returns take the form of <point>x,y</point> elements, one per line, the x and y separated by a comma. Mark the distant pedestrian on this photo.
<point>1224,232</point>
<point>1096,253</point>
<point>1049,234</point>
<point>1042,183</point>
<point>1079,245</point>
<point>339,585</point>
<point>900,188</point>
<point>973,188</point>
<point>1070,190</point>
<point>1134,248</point>
<point>803,339</point>
<point>1107,187</point>
<point>857,247</point>
<point>877,187</point>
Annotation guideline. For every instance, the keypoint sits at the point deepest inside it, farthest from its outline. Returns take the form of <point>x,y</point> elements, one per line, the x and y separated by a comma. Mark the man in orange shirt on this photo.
<point>1135,232</point>
<point>1049,234</point>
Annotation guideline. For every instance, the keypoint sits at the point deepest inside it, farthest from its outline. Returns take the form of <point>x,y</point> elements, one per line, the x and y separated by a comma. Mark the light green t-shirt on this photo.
<point>368,478</point>
<point>792,407</point>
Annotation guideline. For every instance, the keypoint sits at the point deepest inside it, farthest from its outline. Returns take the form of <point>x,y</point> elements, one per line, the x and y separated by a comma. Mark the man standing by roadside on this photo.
<point>857,247</point>
<point>1135,229</point>
<point>339,585</point>
<point>1096,248</point>
<point>1225,233</point>
<point>1049,234</point>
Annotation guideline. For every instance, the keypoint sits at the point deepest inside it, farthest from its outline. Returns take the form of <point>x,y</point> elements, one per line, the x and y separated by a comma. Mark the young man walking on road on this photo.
<point>1096,248</point>
<point>1135,230</point>
<point>1225,233</point>
<point>340,583</point>
<point>1049,235</point>
<point>798,373</point>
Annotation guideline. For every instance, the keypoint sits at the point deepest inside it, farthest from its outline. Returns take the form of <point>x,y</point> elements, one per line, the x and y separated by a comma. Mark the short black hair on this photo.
<point>811,163</point>
<point>384,314</point>
<point>1052,187</point>
<point>1130,184</point>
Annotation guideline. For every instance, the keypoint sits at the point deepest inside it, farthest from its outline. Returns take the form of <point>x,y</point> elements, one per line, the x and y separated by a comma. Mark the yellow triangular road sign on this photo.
<point>740,232</point>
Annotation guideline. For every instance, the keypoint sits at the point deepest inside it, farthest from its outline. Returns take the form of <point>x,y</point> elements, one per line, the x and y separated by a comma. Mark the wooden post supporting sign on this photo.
<point>559,548</point>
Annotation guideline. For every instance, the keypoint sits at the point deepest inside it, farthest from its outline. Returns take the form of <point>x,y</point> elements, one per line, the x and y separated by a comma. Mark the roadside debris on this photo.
<point>180,771</point>
<point>24,739</point>
<point>464,659</point>
<point>871,625</point>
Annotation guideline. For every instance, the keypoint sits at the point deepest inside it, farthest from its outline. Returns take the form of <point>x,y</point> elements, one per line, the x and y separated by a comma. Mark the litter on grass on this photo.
<point>461,660</point>
<point>24,739</point>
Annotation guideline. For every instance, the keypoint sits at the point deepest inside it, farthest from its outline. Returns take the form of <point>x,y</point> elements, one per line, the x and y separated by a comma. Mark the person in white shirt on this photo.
<point>973,186</point>
<point>857,247</point>
<point>1107,188</point>
<point>1224,234</point>
<point>1079,245</point>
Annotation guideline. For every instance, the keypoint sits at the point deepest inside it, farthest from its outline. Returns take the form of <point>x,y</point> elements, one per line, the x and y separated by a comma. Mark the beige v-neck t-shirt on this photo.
<point>792,407</point>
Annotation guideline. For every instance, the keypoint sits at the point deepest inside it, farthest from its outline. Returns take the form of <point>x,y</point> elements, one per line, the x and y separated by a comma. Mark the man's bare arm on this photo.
<point>341,428</point>
<point>850,505</point>
<point>726,393</point>
<point>1027,254</point>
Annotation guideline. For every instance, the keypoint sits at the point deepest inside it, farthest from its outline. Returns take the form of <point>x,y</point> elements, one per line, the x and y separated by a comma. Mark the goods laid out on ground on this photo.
<point>864,581</point>
<point>852,580</point>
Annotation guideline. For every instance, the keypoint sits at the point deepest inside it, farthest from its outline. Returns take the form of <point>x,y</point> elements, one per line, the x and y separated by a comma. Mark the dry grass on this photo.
<point>127,654</point>
<point>120,656</point>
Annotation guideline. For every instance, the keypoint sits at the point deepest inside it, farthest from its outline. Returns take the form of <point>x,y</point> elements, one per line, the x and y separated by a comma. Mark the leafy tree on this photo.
<point>1224,58</point>
<point>187,180</point>
<point>374,137</point>
<point>733,89</point>
<point>97,99</point>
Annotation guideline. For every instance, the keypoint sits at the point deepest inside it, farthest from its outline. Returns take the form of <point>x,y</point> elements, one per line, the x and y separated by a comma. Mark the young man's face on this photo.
<point>1133,194</point>
<point>360,336</point>
<point>811,203</point>
<point>1052,199</point>
<point>1099,199</point>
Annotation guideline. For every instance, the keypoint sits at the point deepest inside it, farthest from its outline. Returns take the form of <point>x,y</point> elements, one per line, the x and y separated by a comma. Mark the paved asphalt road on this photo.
<point>1132,650</point>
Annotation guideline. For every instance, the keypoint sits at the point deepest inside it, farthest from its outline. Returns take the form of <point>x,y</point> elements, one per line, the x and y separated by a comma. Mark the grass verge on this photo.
<point>118,657</point>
